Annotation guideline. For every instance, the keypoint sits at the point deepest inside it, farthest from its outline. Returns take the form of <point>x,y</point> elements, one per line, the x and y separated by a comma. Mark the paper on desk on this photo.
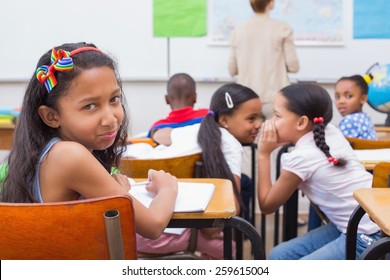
<point>373,155</point>
<point>191,197</point>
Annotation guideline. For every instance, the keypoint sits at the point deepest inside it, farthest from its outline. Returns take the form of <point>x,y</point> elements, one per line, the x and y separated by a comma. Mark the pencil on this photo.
<point>142,183</point>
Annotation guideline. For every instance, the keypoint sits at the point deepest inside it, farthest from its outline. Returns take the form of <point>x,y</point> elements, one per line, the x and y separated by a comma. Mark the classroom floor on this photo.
<point>269,238</point>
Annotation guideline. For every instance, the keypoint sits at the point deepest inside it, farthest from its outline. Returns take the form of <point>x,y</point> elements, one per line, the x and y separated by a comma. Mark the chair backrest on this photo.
<point>364,144</point>
<point>381,178</point>
<point>6,136</point>
<point>188,166</point>
<point>68,230</point>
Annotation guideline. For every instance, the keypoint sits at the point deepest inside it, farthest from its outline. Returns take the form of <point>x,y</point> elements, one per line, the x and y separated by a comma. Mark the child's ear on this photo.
<point>194,98</point>
<point>167,99</point>
<point>49,116</point>
<point>223,121</point>
<point>303,123</point>
<point>363,99</point>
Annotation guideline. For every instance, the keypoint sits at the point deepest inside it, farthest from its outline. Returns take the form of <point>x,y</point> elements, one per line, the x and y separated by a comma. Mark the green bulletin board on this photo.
<point>179,18</point>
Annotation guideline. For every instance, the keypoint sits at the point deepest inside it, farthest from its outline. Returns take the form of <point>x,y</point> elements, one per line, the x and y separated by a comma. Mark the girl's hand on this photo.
<point>122,180</point>
<point>160,180</point>
<point>268,140</point>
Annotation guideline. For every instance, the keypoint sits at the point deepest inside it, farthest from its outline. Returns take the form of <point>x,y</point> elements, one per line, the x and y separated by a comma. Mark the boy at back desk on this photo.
<point>181,97</point>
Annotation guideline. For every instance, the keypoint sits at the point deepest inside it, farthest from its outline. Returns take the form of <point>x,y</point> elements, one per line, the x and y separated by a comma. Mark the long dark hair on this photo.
<point>32,134</point>
<point>209,136</point>
<point>312,101</point>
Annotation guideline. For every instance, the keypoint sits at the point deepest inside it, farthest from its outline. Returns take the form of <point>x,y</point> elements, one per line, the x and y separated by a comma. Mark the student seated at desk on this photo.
<point>71,131</point>
<point>322,164</point>
<point>181,97</point>
<point>350,96</point>
<point>233,119</point>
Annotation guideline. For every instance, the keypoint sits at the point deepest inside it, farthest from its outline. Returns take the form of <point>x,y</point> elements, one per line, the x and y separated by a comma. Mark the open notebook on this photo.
<point>191,197</point>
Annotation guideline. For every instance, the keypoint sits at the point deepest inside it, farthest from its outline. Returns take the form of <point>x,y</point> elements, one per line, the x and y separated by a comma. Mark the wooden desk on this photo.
<point>383,132</point>
<point>221,205</point>
<point>6,134</point>
<point>376,203</point>
<point>371,157</point>
<point>221,212</point>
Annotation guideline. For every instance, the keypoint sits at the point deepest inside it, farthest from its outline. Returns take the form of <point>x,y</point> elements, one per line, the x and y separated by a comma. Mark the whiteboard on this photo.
<point>122,28</point>
<point>207,61</point>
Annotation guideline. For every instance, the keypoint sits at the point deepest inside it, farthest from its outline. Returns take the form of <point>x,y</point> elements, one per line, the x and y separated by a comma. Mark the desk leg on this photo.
<point>350,239</point>
<point>227,243</point>
<point>290,217</point>
<point>254,198</point>
<point>276,228</point>
<point>239,245</point>
<point>377,249</point>
<point>263,226</point>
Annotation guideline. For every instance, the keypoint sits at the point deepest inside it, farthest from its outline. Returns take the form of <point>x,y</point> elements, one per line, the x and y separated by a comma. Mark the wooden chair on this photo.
<point>189,166</point>
<point>381,178</point>
<point>382,132</point>
<point>101,228</point>
<point>364,144</point>
<point>6,136</point>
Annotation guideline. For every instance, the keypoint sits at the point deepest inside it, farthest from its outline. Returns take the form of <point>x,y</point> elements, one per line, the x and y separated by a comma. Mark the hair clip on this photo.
<point>211,112</point>
<point>368,78</point>
<point>229,101</point>
<point>334,160</point>
<point>318,120</point>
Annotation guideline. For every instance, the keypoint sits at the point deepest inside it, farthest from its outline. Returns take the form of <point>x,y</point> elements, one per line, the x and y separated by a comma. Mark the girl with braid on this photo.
<point>322,164</point>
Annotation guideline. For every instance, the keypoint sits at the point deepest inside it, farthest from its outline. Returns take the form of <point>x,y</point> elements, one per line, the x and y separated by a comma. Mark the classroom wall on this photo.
<point>124,28</point>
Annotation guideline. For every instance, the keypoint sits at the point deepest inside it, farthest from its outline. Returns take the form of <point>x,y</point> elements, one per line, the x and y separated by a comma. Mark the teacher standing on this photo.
<point>262,53</point>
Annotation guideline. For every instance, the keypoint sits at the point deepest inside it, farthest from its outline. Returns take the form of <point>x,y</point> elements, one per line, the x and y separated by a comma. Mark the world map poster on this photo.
<point>315,22</point>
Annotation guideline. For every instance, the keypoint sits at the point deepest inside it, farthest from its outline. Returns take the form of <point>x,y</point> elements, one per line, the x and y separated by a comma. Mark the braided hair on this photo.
<point>314,102</point>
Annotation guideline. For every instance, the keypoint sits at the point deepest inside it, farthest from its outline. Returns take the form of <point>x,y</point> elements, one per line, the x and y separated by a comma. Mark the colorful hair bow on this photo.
<point>61,61</point>
<point>318,120</point>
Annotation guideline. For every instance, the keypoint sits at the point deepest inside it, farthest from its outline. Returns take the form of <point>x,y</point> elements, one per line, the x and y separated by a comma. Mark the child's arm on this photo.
<point>271,197</point>
<point>153,220</point>
<point>82,174</point>
<point>162,136</point>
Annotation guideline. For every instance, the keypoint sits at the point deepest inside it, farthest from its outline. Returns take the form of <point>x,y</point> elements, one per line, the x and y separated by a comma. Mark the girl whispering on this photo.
<point>322,164</point>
